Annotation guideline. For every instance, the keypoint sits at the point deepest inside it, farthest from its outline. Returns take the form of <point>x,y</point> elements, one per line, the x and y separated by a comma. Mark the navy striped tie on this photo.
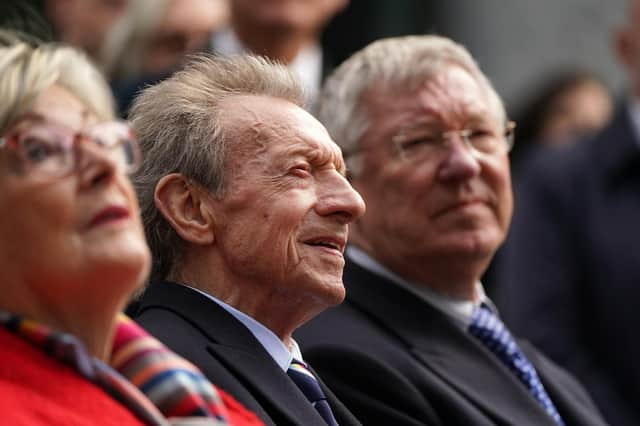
<point>488,328</point>
<point>308,384</point>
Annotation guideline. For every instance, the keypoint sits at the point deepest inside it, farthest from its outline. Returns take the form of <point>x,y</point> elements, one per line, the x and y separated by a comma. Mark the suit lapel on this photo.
<point>443,348</point>
<point>258,374</point>
<point>479,375</point>
<point>340,412</point>
<point>572,402</point>
<point>233,345</point>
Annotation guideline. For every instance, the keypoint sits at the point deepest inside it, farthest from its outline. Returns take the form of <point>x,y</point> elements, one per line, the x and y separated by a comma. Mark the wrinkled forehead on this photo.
<point>278,130</point>
<point>452,96</point>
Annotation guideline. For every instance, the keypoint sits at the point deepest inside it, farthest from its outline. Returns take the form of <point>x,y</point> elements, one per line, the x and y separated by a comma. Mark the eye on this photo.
<point>480,134</point>
<point>301,170</point>
<point>37,150</point>
<point>482,138</point>
<point>420,141</point>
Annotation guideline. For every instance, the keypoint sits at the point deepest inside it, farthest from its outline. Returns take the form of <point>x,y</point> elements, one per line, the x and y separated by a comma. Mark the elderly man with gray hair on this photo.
<point>246,208</point>
<point>417,341</point>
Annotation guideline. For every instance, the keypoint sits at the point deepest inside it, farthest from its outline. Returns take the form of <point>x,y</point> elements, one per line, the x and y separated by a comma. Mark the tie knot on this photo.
<point>306,381</point>
<point>481,313</point>
<point>301,368</point>
<point>485,322</point>
<point>308,384</point>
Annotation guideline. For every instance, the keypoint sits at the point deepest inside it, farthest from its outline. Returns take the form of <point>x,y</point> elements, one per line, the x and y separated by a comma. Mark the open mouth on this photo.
<point>329,243</point>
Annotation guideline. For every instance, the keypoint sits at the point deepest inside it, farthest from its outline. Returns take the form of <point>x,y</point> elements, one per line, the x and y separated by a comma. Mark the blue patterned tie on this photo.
<point>488,328</point>
<point>308,384</point>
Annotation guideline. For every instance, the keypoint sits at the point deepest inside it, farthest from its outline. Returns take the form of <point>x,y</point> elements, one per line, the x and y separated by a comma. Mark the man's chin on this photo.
<point>338,296</point>
<point>474,244</point>
<point>329,291</point>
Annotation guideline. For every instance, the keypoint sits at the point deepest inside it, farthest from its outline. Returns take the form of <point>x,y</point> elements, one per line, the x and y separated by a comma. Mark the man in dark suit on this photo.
<point>570,275</point>
<point>246,208</point>
<point>417,341</point>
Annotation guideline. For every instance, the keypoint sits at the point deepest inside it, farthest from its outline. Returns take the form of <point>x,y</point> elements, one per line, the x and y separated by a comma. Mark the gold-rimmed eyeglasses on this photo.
<point>483,140</point>
<point>46,150</point>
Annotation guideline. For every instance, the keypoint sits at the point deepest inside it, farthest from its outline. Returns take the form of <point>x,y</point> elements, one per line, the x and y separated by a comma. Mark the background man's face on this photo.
<point>185,28</point>
<point>299,15</point>
<point>458,203</point>
<point>283,222</point>
<point>84,23</point>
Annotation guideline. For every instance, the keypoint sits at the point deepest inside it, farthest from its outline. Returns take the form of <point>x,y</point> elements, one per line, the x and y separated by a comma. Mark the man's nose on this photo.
<point>338,198</point>
<point>460,162</point>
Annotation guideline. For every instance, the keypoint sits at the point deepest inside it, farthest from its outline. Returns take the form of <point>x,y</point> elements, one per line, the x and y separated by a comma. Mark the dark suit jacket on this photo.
<point>569,275</point>
<point>395,360</point>
<point>229,355</point>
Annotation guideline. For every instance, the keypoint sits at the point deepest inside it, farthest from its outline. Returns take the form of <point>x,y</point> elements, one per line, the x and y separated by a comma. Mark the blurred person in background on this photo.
<point>284,30</point>
<point>569,106</point>
<point>84,24</point>
<point>570,272</point>
<point>426,139</point>
<point>73,251</point>
<point>134,43</point>
<point>153,38</point>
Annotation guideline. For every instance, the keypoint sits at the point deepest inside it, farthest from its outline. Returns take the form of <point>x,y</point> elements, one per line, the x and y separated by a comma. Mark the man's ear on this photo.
<point>186,207</point>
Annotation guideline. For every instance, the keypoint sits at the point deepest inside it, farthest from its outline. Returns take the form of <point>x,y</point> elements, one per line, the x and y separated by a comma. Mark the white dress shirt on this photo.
<point>271,343</point>
<point>460,311</point>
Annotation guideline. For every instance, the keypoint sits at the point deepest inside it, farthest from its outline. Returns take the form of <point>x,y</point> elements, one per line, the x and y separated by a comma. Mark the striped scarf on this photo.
<point>172,383</point>
<point>166,386</point>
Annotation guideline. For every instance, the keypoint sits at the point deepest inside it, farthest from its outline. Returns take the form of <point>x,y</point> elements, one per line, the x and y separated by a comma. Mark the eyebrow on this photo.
<point>417,125</point>
<point>319,155</point>
<point>39,118</point>
<point>30,116</point>
<point>472,119</point>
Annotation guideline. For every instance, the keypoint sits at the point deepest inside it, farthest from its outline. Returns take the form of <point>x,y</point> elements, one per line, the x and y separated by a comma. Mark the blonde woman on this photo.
<point>72,251</point>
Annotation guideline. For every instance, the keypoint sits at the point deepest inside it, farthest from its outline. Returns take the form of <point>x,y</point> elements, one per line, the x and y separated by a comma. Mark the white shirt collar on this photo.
<point>458,310</point>
<point>226,43</point>
<point>271,343</point>
<point>307,65</point>
<point>634,115</point>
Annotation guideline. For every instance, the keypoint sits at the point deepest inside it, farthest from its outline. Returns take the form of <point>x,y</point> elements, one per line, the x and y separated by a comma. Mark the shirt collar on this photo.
<point>458,310</point>
<point>225,42</point>
<point>271,343</point>
<point>307,65</point>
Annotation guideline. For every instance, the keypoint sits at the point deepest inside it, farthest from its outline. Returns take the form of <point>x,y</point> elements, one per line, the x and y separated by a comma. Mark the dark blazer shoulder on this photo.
<point>403,340</point>
<point>230,356</point>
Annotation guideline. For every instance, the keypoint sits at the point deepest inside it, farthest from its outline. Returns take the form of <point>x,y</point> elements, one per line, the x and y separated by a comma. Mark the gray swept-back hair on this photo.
<point>179,127</point>
<point>390,62</point>
<point>28,70</point>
